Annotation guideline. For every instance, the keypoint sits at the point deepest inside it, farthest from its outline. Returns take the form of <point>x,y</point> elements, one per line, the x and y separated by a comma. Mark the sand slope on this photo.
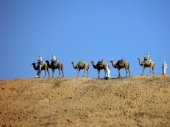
<point>140,101</point>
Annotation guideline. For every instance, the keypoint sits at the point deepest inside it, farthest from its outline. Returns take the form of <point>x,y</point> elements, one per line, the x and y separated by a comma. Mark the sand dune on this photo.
<point>140,101</point>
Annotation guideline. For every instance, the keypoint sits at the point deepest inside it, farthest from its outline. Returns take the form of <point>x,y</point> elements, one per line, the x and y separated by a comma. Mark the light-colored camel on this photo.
<point>56,65</point>
<point>121,64</point>
<point>147,63</point>
<point>44,67</point>
<point>99,67</point>
<point>81,66</point>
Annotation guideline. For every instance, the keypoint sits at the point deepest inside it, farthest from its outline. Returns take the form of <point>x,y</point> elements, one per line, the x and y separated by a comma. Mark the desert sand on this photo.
<point>138,101</point>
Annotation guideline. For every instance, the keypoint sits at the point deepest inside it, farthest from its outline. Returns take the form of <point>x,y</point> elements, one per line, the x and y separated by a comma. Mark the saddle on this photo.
<point>100,64</point>
<point>120,62</point>
<point>54,62</point>
<point>40,62</point>
<point>81,64</point>
<point>147,60</point>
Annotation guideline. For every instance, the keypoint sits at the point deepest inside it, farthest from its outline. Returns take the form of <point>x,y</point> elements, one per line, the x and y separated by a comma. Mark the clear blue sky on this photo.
<point>82,29</point>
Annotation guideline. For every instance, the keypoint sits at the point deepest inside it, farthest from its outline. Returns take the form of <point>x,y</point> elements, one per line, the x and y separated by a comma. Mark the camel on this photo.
<point>146,63</point>
<point>80,66</point>
<point>44,67</point>
<point>56,65</point>
<point>99,66</point>
<point>121,64</point>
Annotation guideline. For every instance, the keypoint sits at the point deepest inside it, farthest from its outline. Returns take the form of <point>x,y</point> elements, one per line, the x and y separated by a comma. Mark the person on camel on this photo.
<point>101,61</point>
<point>40,62</point>
<point>54,58</point>
<point>147,57</point>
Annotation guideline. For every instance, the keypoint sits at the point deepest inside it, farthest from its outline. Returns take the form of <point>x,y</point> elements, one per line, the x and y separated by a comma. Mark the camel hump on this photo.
<point>147,60</point>
<point>120,62</point>
<point>100,64</point>
<point>54,62</point>
<point>82,64</point>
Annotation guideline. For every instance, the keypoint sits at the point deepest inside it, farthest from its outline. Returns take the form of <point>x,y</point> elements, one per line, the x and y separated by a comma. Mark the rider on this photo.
<point>147,57</point>
<point>40,61</point>
<point>54,58</point>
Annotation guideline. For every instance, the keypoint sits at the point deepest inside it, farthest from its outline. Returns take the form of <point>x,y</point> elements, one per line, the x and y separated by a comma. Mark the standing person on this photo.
<point>164,67</point>
<point>107,72</point>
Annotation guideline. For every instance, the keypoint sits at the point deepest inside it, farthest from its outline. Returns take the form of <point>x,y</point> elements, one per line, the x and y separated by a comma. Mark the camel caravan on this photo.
<point>101,65</point>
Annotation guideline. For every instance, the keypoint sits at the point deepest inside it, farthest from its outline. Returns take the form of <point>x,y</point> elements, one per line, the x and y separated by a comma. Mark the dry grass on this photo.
<point>85,102</point>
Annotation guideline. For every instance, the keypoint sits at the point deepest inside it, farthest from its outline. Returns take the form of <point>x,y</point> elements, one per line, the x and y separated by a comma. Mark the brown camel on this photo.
<point>56,65</point>
<point>146,63</point>
<point>44,67</point>
<point>80,66</point>
<point>121,64</point>
<point>99,66</point>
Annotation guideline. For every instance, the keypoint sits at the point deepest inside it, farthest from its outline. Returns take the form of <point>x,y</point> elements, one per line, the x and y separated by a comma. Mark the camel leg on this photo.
<point>52,73</point>
<point>150,71</point>
<point>153,70</point>
<point>143,71</point>
<point>78,72</point>
<point>48,73</point>
<point>59,72</point>
<point>126,71</point>
<point>45,73</point>
<point>84,73</point>
<point>129,74</point>
<point>87,73</point>
<point>98,73</point>
<point>119,76</point>
<point>129,70</point>
<point>62,72</point>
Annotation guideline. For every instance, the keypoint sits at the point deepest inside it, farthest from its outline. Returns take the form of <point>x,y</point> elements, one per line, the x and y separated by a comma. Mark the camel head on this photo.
<point>112,61</point>
<point>72,62</point>
<point>140,59</point>
<point>33,64</point>
<point>92,61</point>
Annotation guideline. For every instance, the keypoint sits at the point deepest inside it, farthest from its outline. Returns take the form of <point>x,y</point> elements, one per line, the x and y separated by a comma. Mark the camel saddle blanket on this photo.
<point>100,64</point>
<point>81,64</point>
<point>147,61</point>
<point>120,62</point>
<point>146,58</point>
<point>41,62</point>
<point>54,62</point>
